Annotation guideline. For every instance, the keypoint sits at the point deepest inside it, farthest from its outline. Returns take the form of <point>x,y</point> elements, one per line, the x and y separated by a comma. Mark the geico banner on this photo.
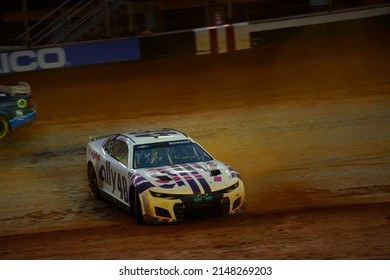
<point>29,60</point>
<point>69,55</point>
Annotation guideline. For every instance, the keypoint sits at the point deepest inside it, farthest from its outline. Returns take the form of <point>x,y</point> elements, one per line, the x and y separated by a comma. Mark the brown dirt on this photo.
<point>306,124</point>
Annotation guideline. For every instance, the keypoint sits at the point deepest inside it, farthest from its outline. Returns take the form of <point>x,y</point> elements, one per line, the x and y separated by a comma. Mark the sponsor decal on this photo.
<point>33,59</point>
<point>114,179</point>
<point>179,142</point>
<point>93,154</point>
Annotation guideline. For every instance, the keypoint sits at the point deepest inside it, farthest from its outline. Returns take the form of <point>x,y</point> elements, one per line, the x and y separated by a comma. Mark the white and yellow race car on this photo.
<point>162,176</point>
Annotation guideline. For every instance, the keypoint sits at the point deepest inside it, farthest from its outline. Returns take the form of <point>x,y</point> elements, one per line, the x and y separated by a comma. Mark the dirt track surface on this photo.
<point>306,125</point>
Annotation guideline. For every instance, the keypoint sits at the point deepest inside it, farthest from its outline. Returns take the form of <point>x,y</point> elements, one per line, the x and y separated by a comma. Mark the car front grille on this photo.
<point>188,210</point>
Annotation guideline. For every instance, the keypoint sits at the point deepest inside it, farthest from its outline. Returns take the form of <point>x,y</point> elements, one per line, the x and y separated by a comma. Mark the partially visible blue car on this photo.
<point>17,107</point>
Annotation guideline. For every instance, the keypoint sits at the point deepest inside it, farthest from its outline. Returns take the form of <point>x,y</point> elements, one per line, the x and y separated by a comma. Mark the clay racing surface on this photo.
<point>306,124</point>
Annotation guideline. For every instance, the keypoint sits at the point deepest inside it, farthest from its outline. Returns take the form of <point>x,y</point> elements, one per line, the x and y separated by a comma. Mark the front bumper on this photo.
<point>173,209</point>
<point>23,120</point>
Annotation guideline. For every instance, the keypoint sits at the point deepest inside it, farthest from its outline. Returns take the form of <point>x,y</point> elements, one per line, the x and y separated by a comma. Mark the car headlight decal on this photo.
<point>231,188</point>
<point>164,195</point>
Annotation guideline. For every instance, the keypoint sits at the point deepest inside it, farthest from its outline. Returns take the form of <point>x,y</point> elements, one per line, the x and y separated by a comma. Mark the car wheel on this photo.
<point>138,209</point>
<point>93,183</point>
<point>4,127</point>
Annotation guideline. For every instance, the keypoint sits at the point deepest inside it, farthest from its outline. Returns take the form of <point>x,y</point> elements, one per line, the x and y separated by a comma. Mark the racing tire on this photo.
<point>138,209</point>
<point>4,127</point>
<point>93,182</point>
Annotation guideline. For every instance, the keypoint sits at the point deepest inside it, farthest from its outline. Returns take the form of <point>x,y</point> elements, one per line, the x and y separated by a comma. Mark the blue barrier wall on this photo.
<point>69,55</point>
<point>103,52</point>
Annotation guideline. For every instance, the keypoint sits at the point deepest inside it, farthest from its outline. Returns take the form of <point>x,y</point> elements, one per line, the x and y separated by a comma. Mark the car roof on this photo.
<point>155,136</point>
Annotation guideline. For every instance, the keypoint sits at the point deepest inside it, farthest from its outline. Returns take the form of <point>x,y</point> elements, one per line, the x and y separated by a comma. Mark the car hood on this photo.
<point>190,178</point>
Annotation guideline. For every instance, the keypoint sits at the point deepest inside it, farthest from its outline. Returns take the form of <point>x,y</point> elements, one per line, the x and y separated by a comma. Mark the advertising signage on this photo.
<point>71,55</point>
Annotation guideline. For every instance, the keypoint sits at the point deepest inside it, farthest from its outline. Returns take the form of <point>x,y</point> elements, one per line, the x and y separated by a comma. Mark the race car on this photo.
<point>162,176</point>
<point>17,107</point>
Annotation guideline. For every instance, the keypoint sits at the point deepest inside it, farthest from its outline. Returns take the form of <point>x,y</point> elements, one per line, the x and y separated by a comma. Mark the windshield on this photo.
<point>168,153</point>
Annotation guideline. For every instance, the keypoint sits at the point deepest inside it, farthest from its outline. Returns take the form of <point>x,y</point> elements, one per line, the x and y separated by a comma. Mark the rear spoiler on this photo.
<point>94,138</point>
<point>20,88</point>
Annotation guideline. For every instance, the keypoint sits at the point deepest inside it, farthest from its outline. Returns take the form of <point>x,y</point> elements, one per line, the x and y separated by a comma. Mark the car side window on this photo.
<point>110,145</point>
<point>120,152</point>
